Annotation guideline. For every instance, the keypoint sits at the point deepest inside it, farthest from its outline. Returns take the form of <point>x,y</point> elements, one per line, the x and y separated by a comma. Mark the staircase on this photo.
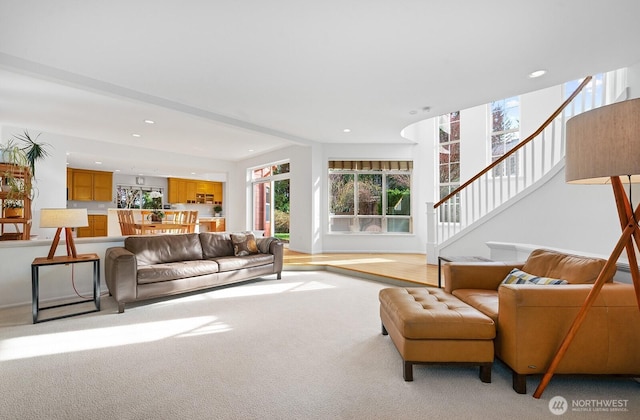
<point>515,174</point>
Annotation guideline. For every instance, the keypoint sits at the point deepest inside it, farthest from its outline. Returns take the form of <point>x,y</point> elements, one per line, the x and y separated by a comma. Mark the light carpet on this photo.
<point>305,347</point>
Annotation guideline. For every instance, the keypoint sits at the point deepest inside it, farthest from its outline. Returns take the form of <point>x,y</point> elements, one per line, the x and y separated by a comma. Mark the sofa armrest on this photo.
<point>120,271</point>
<point>533,321</point>
<point>476,275</point>
<point>275,246</point>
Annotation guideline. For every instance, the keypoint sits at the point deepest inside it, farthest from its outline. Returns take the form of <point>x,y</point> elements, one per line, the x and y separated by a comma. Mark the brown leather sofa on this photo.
<point>148,267</point>
<point>532,320</point>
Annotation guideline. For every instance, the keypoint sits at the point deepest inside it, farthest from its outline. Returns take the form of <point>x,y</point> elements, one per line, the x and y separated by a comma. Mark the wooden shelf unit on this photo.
<point>24,173</point>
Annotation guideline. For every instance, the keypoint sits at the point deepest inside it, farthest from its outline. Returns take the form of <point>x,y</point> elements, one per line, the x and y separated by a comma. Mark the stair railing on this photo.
<point>519,168</point>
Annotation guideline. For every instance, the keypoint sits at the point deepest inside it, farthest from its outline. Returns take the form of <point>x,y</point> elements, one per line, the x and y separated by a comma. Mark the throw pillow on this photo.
<point>517,276</point>
<point>244,244</point>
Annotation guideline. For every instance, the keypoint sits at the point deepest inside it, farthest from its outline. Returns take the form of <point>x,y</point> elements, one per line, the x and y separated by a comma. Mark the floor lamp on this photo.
<point>603,146</point>
<point>63,219</point>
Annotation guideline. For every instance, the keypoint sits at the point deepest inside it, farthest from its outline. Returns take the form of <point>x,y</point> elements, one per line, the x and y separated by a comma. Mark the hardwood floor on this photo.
<point>411,268</point>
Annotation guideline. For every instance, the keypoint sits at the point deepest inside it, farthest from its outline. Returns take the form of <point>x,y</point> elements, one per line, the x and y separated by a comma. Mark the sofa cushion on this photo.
<point>160,249</point>
<point>216,244</point>
<point>244,244</point>
<point>175,270</point>
<point>237,263</point>
<point>516,276</point>
<point>573,268</point>
<point>484,300</point>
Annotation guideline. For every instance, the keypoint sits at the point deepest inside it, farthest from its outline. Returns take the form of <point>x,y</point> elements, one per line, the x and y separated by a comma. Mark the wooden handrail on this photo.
<point>544,125</point>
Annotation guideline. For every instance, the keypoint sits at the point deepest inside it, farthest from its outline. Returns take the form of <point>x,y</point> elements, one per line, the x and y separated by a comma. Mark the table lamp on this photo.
<point>63,219</point>
<point>603,146</point>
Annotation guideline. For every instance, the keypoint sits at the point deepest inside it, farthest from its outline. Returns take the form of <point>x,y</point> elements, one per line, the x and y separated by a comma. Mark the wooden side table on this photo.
<point>456,259</point>
<point>35,283</point>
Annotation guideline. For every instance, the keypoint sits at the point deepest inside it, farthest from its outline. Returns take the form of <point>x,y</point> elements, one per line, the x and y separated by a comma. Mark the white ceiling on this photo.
<point>221,78</point>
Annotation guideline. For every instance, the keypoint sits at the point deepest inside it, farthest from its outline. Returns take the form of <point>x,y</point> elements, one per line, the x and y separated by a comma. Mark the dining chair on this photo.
<point>125,219</point>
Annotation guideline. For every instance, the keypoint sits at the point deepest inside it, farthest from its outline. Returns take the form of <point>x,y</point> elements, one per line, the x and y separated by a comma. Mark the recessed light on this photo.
<point>347,130</point>
<point>136,135</point>
<point>537,73</point>
<point>413,112</point>
<point>251,150</point>
<point>97,162</point>
<point>149,121</point>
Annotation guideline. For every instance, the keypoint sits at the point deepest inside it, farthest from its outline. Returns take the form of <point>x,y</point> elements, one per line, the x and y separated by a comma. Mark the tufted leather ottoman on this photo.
<point>429,325</point>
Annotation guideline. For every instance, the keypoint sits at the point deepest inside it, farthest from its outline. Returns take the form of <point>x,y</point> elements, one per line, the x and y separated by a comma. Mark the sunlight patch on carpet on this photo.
<point>267,289</point>
<point>74,341</point>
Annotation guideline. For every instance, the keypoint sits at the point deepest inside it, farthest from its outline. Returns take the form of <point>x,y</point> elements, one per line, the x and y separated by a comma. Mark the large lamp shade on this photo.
<point>604,142</point>
<point>63,219</point>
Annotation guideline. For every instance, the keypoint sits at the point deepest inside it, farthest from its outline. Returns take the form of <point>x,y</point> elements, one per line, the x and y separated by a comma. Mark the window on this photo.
<point>133,197</point>
<point>370,196</point>
<point>449,167</point>
<point>505,134</point>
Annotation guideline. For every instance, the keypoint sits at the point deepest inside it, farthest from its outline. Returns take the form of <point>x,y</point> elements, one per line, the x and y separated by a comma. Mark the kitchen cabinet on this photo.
<point>97,226</point>
<point>192,191</point>
<point>216,224</point>
<point>69,184</point>
<point>87,185</point>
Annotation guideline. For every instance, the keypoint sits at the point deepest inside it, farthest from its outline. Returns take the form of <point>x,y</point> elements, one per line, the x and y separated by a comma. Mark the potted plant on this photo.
<point>153,201</point>
<point>13,208</point>
<point>33,150</point>
<point>217,210</point>
<point>21,150</point>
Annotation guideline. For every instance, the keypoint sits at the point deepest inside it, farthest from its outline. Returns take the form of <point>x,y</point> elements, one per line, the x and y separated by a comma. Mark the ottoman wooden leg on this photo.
<point>485,373</point>
<point>407,371</point>
<point>384,330</point>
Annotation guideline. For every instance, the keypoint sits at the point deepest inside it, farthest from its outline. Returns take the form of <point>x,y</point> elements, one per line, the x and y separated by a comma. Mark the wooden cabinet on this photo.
<point>172,187</point>
<point>20,223</point>
<point>97,226</point>
<point>192,191</point>
<point>217,192</point>
<point>213,225</point>
<point>102,186</point>
<point>69,184</point>
<point>220,225</point>
<point>87,185</point>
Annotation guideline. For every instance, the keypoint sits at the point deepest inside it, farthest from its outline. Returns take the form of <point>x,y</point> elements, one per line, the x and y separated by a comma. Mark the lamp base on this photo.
<point>630,233</point>
<point>71,246</point>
